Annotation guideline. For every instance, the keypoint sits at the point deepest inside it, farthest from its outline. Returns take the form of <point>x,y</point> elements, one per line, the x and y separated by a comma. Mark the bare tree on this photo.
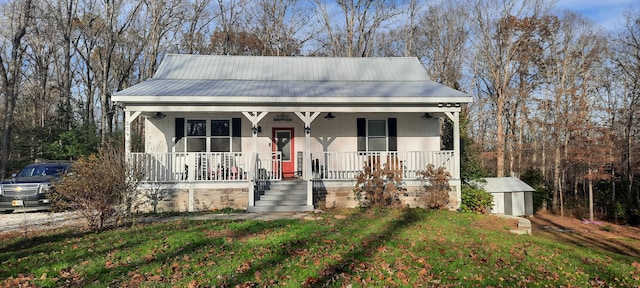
<point>13,51</point>
<point>574,50</point>
<point>628,62</point>
<point>497,43</point>
<point>230,37</point>
<point>110,27</point>
<point>441,40</point>
<point>197,15</point>
<point>355,34</point>
<point>160,22</point>
<point>39,88</point>
<point>279,25</point>
<point>63,13</point>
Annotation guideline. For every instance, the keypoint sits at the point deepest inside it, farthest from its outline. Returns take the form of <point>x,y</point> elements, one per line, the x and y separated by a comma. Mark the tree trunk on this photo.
<point>590,196</point>
<point>557,187</point>
<point>500,137</point>
<point>10,80</point>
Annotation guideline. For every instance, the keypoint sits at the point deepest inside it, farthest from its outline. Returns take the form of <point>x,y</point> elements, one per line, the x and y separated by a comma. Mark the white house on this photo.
<point>286,133</point>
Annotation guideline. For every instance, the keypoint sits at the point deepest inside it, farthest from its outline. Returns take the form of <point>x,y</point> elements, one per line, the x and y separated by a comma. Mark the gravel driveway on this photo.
<point>35,221</point>
<point>31,221</point>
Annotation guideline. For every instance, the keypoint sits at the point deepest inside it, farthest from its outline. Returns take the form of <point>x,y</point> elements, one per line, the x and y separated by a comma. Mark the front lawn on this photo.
<point>409,247</point>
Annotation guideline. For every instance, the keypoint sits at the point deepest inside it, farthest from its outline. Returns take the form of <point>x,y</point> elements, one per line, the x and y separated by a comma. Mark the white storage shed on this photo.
<point>511,196</point>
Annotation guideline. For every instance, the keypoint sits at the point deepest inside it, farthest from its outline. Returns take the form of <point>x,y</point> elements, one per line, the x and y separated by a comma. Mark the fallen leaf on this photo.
<point>155,278</point>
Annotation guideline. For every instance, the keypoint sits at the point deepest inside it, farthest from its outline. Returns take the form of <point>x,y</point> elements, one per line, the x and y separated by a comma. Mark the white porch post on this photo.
<point>254,118</point>
<point>252,168</point>
<point>129,116</point>
<point>307,168</point>
<point>456,152</point>
<point>456,143</point>
<point>307,118</point>
<point>455,117</point>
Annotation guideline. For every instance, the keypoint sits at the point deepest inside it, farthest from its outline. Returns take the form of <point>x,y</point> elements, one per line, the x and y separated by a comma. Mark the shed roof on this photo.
<point>289,80</point>
<point>506,184</point>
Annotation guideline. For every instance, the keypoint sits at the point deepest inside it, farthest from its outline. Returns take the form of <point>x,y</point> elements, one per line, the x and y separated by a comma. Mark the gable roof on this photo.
<point>239,80</point>
<point>505,184</point>
<point>272,68</point>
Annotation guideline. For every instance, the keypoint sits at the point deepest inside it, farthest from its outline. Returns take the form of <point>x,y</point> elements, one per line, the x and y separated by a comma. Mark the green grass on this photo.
<point>391,248</point>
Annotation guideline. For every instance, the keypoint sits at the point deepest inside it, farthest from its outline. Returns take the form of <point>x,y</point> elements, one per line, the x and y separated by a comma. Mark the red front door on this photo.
<point>283,142</point>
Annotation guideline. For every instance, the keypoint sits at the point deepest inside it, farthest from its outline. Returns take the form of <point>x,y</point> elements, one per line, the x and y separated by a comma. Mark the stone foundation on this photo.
<point>339,195</point>
<point>326,194</point>
<point>177,200</point>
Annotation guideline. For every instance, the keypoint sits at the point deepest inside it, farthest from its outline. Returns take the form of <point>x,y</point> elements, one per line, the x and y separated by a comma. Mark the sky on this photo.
<point>608,13</point>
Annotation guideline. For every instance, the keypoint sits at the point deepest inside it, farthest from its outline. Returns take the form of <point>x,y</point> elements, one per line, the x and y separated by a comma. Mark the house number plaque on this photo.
<point>282,117</point>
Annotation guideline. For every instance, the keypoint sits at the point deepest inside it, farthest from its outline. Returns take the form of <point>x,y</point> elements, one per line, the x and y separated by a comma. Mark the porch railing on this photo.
<point>234,166</point>
<point>268,167</point>
<point>192,166</point>
<point>348,165</point>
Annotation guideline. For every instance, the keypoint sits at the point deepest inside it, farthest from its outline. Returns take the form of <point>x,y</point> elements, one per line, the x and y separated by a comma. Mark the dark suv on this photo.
<point>28,189</point>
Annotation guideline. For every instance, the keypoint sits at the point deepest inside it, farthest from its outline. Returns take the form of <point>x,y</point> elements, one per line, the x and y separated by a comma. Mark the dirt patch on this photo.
<point>594,234</point>
<point>493,222</point>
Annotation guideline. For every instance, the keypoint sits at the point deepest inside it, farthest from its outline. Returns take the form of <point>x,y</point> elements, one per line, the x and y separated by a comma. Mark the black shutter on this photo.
<point>179,129</point>
<point>362,134</point>
<point>236,134</point>
<point>393,134</point>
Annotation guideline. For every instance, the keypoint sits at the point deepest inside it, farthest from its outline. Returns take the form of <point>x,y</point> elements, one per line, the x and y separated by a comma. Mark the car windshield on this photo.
<point>30,171</point>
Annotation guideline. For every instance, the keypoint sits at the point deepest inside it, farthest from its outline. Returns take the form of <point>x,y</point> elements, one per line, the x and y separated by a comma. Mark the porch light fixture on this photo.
<point>257,129</point>
<point>330,116</point>
<point>426,116</point>
<point>159,115</point>
<point>307,129</point>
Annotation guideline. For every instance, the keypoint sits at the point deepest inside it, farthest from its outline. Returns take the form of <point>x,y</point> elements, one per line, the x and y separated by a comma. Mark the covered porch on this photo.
<point>254,165</point>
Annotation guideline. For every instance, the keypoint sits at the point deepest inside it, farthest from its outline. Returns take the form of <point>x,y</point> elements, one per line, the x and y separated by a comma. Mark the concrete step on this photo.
<point>283,192</point>
<point>290,196</point>
<point>282,196</point>
<point>282,202</point>
<point>286,188</point>
<point>524,223</point>
<point>288,183</point>
<point>300,208</point>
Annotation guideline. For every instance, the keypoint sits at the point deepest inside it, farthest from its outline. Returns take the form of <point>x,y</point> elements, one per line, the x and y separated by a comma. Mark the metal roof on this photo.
<point>505,184</point>
<point>272,68</point>
<point>281,80</point>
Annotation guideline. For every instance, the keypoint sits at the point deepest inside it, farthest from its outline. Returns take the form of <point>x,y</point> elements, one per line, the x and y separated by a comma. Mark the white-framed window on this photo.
<point>376,135</point>
<point>206,135</point>
<point>220,136</point>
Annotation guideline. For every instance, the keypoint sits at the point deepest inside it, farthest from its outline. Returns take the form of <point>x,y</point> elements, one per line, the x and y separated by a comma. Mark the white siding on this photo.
<point>498,203</point>
<point>155,139</point>
<point>518,204</point>
<point>336,135</point>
